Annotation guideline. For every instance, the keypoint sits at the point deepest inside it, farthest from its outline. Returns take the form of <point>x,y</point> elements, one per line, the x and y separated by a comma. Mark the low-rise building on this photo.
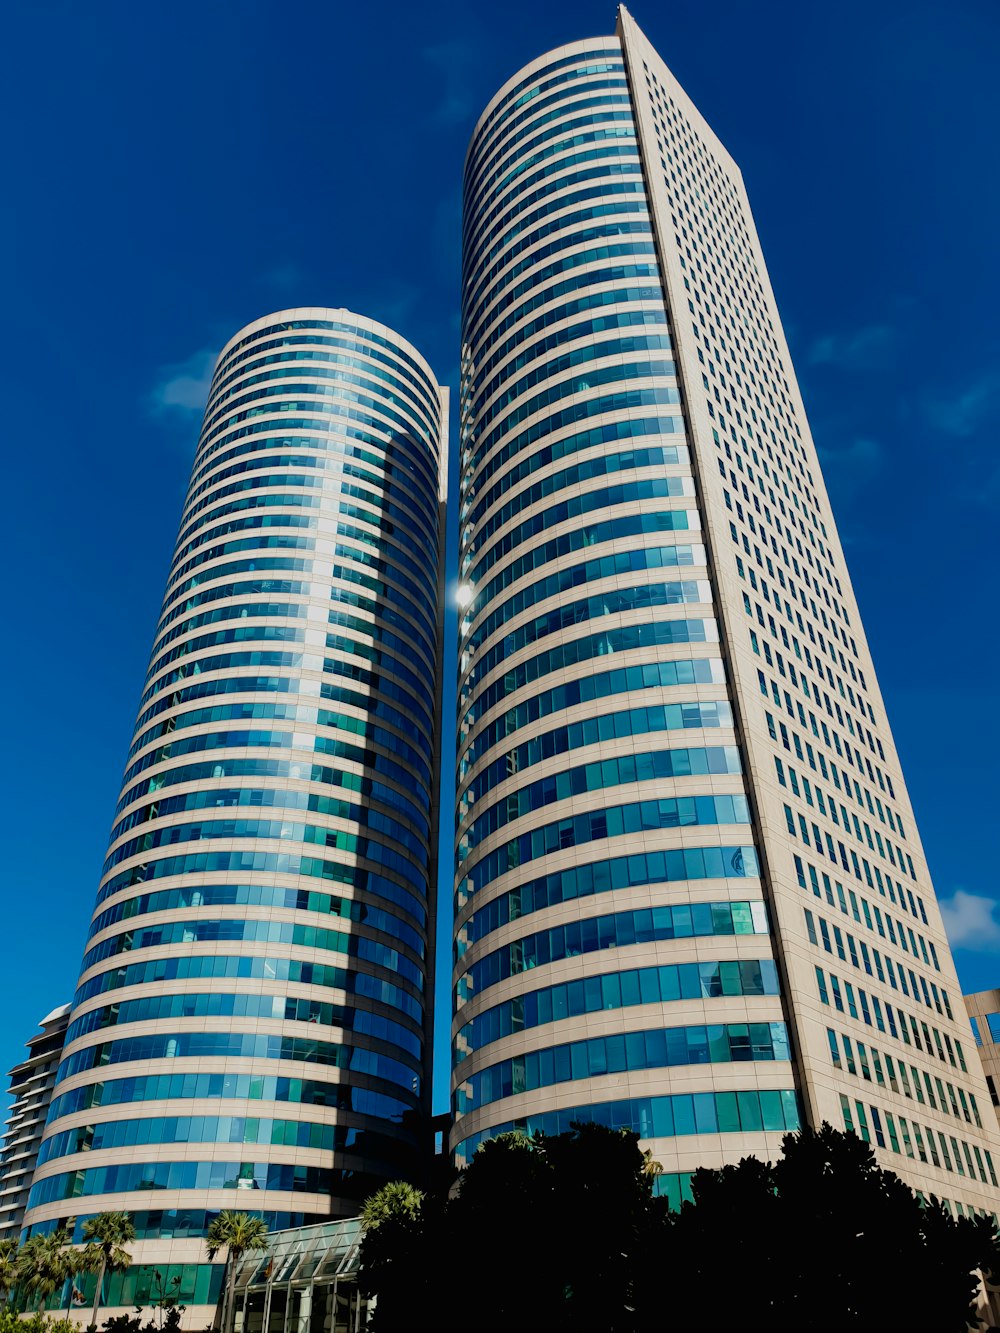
<point>984,1014</point>
<point>305,1282</point>
<point>31,1084</point>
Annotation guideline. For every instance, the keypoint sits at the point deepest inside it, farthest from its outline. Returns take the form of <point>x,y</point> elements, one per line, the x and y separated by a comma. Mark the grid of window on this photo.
<point>928,1089</point>
<point>809,705</point>
<point>574,498</point>
<point>616,990</point>
<point>745,1112</point>
<point>265,892</point>
<point>614,930</point>
<point>901,1025</point>
<point>924,1143</point>
<point>557,559</point>
<point>656,1048</point>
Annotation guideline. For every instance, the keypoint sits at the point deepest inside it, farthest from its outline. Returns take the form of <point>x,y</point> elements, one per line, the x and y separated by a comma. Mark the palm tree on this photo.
<point>44,1263</point>
<point>238,1234</point>
<point>397,1199</point>
<point>650,1167</point>
<point>106,1235</point>
<point>8,1277</point>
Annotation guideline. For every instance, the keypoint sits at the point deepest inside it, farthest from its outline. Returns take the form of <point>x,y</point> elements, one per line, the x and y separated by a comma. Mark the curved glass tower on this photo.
<point>607,876</point>
<point>690,897</point>
<point>252,1025</point>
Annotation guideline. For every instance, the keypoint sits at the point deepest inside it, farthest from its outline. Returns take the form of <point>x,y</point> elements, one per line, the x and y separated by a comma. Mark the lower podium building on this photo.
<point>306,1282</point>
<point>252,1024</point>
<point>690,895</point>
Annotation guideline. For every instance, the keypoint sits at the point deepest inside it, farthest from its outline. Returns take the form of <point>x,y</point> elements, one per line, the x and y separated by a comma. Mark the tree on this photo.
<point>238,1234</point>
<point>393,1202</point>
<point>400,1226</point>
<point>44,1263</point>
<point>106,1235</point>
<point>606,1218</point>
<point>167,1302</point>
<point>650,1166</point>
<point>12,1322</point>
<point>124,1323</point>
<point>567,1232</point>
<point>581,1205</point>
<point>825,1239</point>
<point>577,1210</point>
<point>8,1276</point>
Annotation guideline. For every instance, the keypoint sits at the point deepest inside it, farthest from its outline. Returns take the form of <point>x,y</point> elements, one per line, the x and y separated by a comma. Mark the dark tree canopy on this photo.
<point>542,1233</point>
<point>546,1233</point>
<point>825,1239</point>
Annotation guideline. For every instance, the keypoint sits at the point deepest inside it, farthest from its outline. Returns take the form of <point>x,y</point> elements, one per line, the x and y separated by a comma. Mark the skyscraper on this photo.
<point>691,897</point>
<point>252,1025</point>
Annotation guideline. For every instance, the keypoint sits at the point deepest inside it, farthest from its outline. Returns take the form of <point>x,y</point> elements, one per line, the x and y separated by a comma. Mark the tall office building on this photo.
<point>691,897</point>
<point>31,1084</point>
<point>252,1026</point>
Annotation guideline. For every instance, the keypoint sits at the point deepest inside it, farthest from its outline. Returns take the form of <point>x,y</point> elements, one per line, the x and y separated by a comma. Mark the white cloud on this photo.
<point>868,349</point>
<point>452,63</point>
<point>183,388</point>
<point>852,467</point>
<point>964,411</point>
<point>970,920</point>
<point>862,454</point>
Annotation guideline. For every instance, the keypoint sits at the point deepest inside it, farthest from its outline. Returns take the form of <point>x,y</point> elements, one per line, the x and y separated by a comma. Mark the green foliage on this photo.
<point>8,1274</point>
<point>132,1323</point>
<point>560,1229</point>
<point>10,1322</point>
<point>43,1264</point>
<point>238,1234</point>
<point>565,1232</point>
<point>165,1292</point>
<point>826,1218</point>
<point>41,1267</point>
<point>111,1231</point>
<point>125,1323</point>
<point>106,1235</point>
<point>393,1202</point>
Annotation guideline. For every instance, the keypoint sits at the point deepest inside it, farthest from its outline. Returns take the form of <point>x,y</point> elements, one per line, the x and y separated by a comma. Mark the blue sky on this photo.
<point>173,170</point>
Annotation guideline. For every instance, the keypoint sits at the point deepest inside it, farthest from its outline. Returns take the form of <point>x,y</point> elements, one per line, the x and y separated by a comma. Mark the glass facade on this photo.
<point>579,653</point>
<point>646,548</point>
<point>252,1025</point>
<point>689,893</point>
<point>306,1282</point>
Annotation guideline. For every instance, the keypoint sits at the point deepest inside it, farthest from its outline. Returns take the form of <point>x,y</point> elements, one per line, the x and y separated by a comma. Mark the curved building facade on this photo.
<point>252,1024</point>
<point>612,940</point>
<point>690,897</point>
